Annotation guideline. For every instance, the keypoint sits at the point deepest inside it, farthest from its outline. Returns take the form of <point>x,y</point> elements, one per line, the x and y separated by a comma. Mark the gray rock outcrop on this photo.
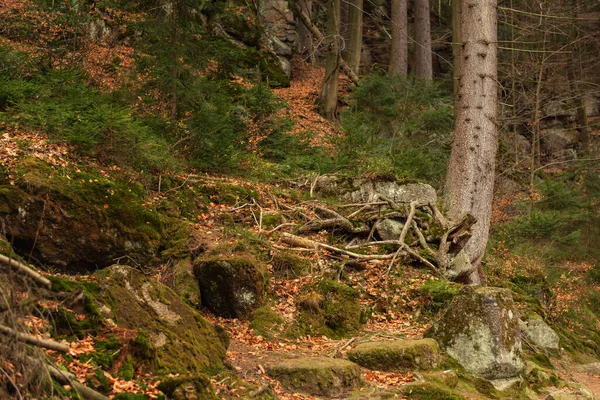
<point>541,335</point>
<point>396,355</point>
<point>280,36</point>
<point>480,329</point>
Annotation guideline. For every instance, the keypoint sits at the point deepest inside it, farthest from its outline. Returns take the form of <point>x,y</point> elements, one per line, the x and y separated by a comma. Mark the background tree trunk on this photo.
<point>423,59</point>
<point>305,39</point>
<point>354,29</point>
<point>399,53</point>
<point>471,170</point>
<point>328,98</point>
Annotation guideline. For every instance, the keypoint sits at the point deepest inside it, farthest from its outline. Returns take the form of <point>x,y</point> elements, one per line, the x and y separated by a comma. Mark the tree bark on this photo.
<point>328,98</point>
<point>471,169</point>
<point>423,61</point>
<point>399,53</point>
<point>456,43</point>
<point>354,29</point>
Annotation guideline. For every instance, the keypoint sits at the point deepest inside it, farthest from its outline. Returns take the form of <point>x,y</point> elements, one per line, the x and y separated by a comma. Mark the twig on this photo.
<point>180,186</point>
<point>311,244</point>
<point>411,215</point>
<point>23,337</point>
<point>313,184</point>
<point>279,227</point>
<point>342,347</point>
<point>374,203</point>
<point>22,268</point>
<point>377,243</point>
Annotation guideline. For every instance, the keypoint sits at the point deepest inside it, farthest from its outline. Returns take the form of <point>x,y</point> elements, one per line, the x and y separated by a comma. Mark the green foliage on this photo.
<point>562,223</point>
<point>397,126</point>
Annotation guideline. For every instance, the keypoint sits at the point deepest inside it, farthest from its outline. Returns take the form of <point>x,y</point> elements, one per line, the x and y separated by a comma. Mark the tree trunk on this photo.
<point>354,30</point>
<point>399,56</point>
<point>575,74</point>
<point>456,43</point>
<point>328,98</point>
<point>423,61</point>
<point>471,169</point>
<point>305,40</point>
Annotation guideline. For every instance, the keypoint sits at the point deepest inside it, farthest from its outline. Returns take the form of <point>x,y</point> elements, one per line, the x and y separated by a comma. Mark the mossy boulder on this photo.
<point>184,341</point>
<point>83,222</point>
<point>289,266</point>
<point>480,329</point>
<point>397,354</point>
<point>447,378</point>
<point>329,308</point>
<point>318,376</point>
<point>231,287</point>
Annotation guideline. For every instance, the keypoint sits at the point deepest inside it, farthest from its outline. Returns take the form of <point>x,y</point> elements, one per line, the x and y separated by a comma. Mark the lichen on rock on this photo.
<point>231,287</point>
<point>184,341</point>
<point>480,329</point>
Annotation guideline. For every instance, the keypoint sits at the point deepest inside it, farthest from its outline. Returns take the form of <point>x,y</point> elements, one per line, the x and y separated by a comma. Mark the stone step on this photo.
<point>318,376</point>
<point>397,355</point>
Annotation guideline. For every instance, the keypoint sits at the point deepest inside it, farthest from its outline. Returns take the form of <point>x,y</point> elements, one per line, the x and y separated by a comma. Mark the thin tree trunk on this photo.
<point>423,60</point>
<point>328,98</point>
<point>581,117</point>
<point>174,70</point>
<point>456,43</point>
<point>471,169</point>
<point>305,40</point>
<point>354,29</point>
<point>399,54</point>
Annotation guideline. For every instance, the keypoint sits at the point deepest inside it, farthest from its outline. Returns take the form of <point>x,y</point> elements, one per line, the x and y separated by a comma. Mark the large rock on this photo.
<point>480,329</point>
<point>318,376</point>
<point>231,287</point>
<point>389,229</point>
<point>184,341</point>
<point>363,190</point>
<point>459,267</point>
<point>541,335</point>
<point>279,35</point>
<point>396,355</point>
<point>76,226</point>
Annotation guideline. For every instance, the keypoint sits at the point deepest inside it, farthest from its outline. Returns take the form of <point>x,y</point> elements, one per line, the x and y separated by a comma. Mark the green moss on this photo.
<point>264,321</point>
<point>396,355</point>
<point>338,315</point>
<point>200,385</point>
<point>440,292</point>
<point>429,391</point>
<point>289,265</point>
<point>126,371</point>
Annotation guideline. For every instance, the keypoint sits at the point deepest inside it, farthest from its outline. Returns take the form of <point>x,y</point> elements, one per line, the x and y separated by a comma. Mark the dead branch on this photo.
<point>67,378</point>
<point>318,225</point>
<point>278,227</point>
<point>36,341</point>
<point>25,270</point>
<point>454,239</point>
<point>337,351</point>
<point>411,215</point>
<point>298,241</point>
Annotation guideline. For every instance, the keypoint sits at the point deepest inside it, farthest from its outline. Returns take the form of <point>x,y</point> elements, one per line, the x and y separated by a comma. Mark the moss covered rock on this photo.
<point>231,287</point>
<point>185,283</point>
<point>319,376</point>
<point>77,223</point>
<point>264,322</point>
<point>397,355</point>
<point>329,308</point>
<point>184,341</point>
<point>541,335</point>
<point>480,329</point>
<point>196,388</point>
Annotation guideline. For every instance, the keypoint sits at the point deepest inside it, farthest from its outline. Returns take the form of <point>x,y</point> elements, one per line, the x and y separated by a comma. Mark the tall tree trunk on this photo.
<point>354,29</point>
<point>471,169</point>
<point>575,74</point>
<point>456,43</point>
<point>399,54</point>
<point>328,98</point>
<point>305,39</point>
<point>174,69</point>
<point>423,60</point>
